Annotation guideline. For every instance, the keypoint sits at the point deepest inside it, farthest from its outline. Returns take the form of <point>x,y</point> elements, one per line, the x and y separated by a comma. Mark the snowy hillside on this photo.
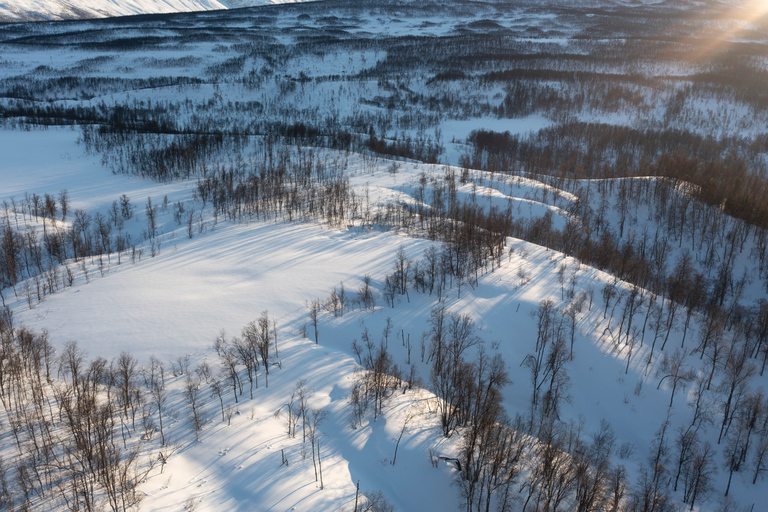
<point>36,10</point>
<point>193,285</point>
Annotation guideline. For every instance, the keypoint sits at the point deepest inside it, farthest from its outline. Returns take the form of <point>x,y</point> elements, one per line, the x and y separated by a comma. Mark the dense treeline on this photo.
<point>425,151</point>
<point>598,150</point>
<point>169,154</point>
<point>733,182</point>
<point>83,87</point>
<point>283,184</point>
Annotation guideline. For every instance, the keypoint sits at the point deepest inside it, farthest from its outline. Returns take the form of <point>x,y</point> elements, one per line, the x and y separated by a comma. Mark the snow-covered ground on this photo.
<point>176,303</point>
<point>174,297</point>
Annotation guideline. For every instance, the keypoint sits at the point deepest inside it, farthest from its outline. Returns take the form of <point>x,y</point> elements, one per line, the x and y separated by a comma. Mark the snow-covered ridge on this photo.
<point>38,10</point>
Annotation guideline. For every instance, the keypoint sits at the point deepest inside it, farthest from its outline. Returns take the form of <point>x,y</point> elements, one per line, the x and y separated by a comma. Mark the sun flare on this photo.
<point>733,25</point>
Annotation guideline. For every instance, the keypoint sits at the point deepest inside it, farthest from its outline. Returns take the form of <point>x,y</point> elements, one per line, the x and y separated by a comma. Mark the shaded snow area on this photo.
<point>179,299</point>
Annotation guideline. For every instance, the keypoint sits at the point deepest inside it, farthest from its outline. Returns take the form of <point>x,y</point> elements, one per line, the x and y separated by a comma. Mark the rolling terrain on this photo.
<point>345,256</point>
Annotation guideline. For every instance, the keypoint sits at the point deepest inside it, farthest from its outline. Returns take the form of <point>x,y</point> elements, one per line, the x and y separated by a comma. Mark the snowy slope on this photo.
<point>176,303</point>
<point>168,306</point>
<point>36,10</point>
<point>29,10</point>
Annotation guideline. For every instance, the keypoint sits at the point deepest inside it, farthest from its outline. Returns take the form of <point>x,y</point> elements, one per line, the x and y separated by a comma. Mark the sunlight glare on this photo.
<point>734,21</point>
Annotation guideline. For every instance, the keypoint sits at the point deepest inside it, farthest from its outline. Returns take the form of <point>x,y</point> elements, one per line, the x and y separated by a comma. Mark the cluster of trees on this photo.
<point>469,391</point>
<point>378,380</point>
<point>74,426</point>
<point>258,341</point>
<point>547,364</point>
<point>716,368</point>
<point>569,470</point>
<point>254,352</point>
<point>82,434</point>
<point>500,463</point>
<point>283,183</point>
<point>35,264</point>
<point>539,464</point>
<point>420,149</point>
<point>181,157</point>
<point>476,236</point>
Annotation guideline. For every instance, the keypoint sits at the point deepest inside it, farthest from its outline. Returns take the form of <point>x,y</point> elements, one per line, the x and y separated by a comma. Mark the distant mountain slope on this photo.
<point>37,10</point>
<point>237,4</point>
<point>34,10</point>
